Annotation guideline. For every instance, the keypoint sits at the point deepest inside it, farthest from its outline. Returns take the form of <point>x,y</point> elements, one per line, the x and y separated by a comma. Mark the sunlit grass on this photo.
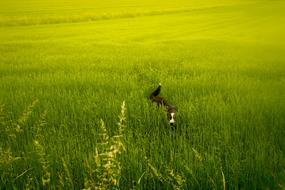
<point>221,63</point>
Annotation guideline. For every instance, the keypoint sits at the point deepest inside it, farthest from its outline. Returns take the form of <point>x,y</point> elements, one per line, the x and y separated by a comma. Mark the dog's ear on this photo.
<point>157,91</point>
<point>176,109</point>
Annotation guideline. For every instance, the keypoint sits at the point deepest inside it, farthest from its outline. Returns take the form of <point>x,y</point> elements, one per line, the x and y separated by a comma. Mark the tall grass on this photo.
<point>103,168</point>
<point>222,66</point>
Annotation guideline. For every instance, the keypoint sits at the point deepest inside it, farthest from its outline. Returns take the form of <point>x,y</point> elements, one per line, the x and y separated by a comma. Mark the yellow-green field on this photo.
<point>67,66</point>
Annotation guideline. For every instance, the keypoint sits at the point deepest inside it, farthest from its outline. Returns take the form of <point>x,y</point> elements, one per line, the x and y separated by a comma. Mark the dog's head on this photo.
<point>171,114</point>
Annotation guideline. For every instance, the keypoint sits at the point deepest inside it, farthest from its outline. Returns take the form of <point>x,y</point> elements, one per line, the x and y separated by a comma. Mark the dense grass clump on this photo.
<point>66,67</point>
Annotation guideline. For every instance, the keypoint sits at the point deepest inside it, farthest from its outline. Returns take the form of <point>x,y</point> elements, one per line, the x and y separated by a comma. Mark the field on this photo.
<point>75,81</point>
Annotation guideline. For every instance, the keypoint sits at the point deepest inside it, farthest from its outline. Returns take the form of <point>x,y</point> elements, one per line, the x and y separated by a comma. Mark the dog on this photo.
<point>160,101</point>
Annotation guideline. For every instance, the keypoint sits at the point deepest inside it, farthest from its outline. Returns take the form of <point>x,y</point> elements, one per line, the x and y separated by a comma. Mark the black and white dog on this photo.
<point>170,109</point>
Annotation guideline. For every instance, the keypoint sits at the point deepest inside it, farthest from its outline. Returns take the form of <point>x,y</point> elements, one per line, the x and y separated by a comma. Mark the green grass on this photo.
<point>221,62</point>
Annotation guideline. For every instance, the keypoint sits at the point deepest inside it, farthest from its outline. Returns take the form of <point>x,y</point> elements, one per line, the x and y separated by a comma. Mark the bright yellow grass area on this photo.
<point>16,12</point>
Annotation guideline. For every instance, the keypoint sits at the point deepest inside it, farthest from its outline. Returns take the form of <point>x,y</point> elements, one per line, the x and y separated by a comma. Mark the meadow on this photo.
<point>76,76</point>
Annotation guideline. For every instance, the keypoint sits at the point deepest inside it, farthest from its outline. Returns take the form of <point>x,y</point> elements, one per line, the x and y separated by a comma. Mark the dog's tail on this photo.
<point>157,91</point>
